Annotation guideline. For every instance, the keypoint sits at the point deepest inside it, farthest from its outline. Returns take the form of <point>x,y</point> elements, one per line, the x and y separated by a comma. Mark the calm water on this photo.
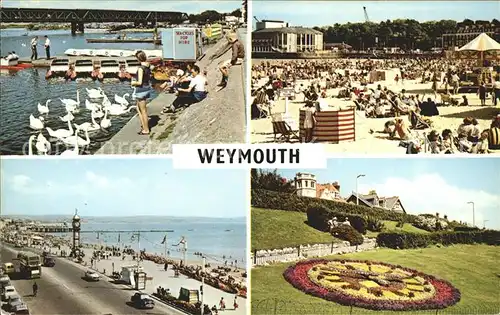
<point>22,91</point>
<point>213,237</point>
<point>13,40</point>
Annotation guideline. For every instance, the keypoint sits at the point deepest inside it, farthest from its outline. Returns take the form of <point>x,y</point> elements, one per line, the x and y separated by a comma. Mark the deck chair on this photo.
<point>417,122</point>
<point>283,132</point>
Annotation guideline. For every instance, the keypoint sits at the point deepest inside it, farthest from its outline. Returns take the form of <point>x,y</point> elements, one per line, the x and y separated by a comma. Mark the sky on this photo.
<point>187,6</point>
<point>321,13</point>
<point>429,185</point>
<point>119,187</point>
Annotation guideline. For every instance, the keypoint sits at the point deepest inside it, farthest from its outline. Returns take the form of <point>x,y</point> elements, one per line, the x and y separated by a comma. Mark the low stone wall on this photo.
<point>289,254</point>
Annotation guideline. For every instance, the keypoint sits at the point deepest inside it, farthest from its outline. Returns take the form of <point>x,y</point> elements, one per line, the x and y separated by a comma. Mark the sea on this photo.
<point>21,91</point>
<point>219,239</point>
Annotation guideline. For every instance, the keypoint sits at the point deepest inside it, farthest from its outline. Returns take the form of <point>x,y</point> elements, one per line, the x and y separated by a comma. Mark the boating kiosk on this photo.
<point>182,44</point>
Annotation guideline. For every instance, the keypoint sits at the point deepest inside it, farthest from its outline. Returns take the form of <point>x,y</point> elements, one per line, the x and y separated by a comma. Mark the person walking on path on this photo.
<point>34,52</point>
<point>47,46</point>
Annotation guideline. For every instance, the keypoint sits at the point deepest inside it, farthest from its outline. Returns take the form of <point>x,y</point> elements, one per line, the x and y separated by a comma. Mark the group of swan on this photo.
<point>70,136</point>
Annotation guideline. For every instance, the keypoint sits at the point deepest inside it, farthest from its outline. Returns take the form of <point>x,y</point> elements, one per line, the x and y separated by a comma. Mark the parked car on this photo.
<point>21,309</point>
<point>142,301</point>
<point>8,292</point>
<point>12,302</point>
<point>91,275</point>
<point>4,282</point>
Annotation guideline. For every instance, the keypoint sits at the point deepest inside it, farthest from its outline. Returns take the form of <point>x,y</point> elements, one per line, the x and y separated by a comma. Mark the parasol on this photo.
<point>481,44</point>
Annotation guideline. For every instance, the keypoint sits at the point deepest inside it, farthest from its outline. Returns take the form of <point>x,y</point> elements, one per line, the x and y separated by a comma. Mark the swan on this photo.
<point>42,144</point>
<point>44,109</point>
<point>105,122</point>
<point>115,111</point>
<point>89,126</point>
<point>68,101</point>
<point>122,99</point>
<point>61,133</point>
<point>95,93</point>
<point>30,145</point>
<point>73,109</point>
<point>36,123</point>
<point>72,152</point>
<point>98,113</point>
<point>91,106</point>
<point>75,139</point>
<point>68,117</point>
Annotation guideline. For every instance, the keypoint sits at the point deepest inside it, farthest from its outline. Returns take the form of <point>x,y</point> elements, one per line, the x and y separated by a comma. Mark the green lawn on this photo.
<point>390,226</point>
<point>473,269</point>
<point>278,229</point>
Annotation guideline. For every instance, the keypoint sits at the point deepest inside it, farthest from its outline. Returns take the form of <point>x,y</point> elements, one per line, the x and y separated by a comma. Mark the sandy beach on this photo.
<point>450,117</point>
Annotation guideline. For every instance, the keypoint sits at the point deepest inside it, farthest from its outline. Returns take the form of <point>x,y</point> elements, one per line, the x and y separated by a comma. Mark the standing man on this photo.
<point>34,52</point>
<point>496,90</point>
<point>47,47</point>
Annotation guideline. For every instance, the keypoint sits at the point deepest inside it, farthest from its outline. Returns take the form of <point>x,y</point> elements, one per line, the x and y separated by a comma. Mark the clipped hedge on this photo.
<point>291,202</point>
<point>404,240</point>
<point>318,216</point>
<point>348,233</point>
<point>465,229</point>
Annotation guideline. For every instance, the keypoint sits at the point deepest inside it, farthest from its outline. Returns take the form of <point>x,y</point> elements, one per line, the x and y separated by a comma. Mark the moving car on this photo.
<point>142,301</point>
<point>91,275</point>
<point>9,268</point>
<point>8,292</point>
<point>49,261</point>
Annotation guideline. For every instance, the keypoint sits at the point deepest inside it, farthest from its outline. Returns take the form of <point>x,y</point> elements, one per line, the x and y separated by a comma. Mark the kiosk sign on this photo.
<point>185,44</point>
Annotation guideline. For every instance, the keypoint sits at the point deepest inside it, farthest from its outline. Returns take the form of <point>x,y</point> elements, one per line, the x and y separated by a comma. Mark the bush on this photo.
<point>373,224</point>
<point>465,228</point>
<point>291,202</point>
<point>318,216</point>
<point>271,181</point>
<point>430,223</point>
<point>348,233</point>
<point>403,240</point>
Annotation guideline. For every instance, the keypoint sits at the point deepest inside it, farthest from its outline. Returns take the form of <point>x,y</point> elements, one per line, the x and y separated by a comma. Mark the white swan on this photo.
<point>68,101</point>
<point>89,126</point>
<point>30,145</point>
<point>71,108</point>
<point>105,122</point>
<point>91,106</point>
<point>122,99</point>
<point>61,133</point>
<point>98,113</point>
<point>44,109</point>
<point>68,117</point>
<point>42,144</point>
<point>117,111</point>
<point>72,152</point>
<point>75,139</point>
<point>36,123</point>
<point>95,93</point>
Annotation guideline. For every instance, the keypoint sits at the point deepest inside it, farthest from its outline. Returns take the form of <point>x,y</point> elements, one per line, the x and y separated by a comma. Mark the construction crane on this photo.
<point>367,19</point>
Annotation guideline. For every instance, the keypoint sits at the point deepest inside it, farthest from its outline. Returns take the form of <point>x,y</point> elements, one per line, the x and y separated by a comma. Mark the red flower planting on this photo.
<point>371,285</point>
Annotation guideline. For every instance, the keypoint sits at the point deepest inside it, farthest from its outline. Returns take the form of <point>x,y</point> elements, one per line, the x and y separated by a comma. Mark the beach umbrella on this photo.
<point>482,46</point>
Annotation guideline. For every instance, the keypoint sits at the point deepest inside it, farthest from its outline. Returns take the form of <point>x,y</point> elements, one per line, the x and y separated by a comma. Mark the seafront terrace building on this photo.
<point>278,36</point>
<point>468,31</point>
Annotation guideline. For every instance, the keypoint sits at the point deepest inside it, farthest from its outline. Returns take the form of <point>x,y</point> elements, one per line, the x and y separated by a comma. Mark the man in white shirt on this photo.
<point>34,52</point>
<point>496,90</point>
<point>196,92</point>
<point>47,46</point>
<point>12,56</point>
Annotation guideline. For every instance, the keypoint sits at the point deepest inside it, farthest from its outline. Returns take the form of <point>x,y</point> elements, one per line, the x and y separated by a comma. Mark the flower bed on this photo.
<point>371,285</point>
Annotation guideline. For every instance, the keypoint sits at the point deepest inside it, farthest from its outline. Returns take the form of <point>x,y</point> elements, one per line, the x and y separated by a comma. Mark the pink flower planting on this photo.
<point>444,293</point>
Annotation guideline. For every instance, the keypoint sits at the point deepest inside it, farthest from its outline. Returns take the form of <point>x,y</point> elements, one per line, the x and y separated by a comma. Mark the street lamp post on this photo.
<point>357,196</point>
<point>473,213</point>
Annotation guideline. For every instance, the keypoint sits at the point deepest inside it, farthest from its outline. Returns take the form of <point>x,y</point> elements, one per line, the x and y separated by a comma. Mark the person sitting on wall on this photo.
<point>194,93</point>
<point>70,75</point>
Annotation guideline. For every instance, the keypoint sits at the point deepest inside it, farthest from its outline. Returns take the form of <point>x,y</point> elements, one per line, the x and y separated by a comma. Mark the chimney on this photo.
<point>336,185</point>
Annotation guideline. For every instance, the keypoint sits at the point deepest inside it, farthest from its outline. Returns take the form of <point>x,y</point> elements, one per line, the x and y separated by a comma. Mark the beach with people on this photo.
<point>420,94</point>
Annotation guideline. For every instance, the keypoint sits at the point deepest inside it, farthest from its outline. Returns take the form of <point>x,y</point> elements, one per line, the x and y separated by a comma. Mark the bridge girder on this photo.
<point>22,15</point>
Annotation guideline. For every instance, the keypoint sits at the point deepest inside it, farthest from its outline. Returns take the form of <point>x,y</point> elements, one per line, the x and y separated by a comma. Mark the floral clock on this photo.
<point>371,285</point>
